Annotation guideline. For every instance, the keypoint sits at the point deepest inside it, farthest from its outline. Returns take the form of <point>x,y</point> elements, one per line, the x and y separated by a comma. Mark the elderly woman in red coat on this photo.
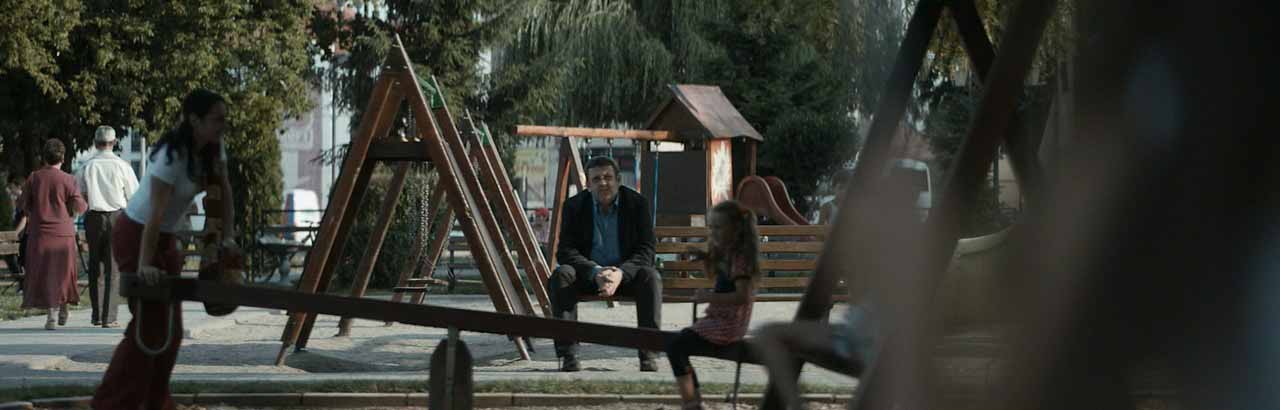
<point>51,200</point>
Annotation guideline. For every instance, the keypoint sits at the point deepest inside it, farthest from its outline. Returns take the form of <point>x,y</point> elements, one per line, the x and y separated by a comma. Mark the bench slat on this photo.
<point>427,281</point>
<point>765,230</point>
<point>8,236</point>
<point>9,248</point>
<point>680,231</point>
<point>782,265</point>
<point>705,283</point>
<point>766,247</point>
<point>766,297</point>
<point>793,230</point>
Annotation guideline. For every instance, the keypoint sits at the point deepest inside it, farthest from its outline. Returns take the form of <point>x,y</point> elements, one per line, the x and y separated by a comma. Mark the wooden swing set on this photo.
<point>468,187</point>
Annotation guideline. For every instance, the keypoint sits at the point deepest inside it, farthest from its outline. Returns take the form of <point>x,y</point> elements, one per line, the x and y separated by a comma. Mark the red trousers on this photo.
<point>135,380</point>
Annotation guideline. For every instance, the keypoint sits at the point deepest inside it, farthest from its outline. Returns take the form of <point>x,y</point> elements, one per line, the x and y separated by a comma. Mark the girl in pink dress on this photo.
<point>732,258</point>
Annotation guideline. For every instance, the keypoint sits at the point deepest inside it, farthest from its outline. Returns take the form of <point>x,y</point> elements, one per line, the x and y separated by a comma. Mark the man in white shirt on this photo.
<point>107,182</point>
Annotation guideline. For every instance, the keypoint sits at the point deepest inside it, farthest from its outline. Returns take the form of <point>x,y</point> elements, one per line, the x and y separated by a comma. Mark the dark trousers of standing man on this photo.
<point>567,284</point>
<point>102,265</point>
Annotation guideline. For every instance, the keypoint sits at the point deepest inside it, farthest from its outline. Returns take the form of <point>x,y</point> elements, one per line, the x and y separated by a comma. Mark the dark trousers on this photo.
<point>567,283</point>
<point>104,275</point>
<point>688,343</point>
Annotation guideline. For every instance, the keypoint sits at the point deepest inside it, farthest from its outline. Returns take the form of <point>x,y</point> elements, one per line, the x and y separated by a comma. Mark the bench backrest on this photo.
<point>783,248</point>
<point>8,243</point>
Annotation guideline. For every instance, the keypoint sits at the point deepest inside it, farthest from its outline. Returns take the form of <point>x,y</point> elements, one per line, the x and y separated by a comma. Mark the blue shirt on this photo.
<point>604,236</point>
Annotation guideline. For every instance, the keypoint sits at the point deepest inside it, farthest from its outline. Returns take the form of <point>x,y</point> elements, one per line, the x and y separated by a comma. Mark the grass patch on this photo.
<point>377,386</point>
<point>11,305</point>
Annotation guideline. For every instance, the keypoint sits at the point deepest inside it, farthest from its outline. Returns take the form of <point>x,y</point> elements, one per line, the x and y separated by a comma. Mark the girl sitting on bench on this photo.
<point>732,258</point>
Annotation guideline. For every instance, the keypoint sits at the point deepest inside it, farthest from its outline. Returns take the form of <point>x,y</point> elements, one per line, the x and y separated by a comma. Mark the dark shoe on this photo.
<point>647,364</point>
<point>569,363</point>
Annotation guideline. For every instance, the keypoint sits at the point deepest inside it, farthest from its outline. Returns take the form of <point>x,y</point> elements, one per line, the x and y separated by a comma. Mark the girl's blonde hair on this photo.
<point>746,242</point>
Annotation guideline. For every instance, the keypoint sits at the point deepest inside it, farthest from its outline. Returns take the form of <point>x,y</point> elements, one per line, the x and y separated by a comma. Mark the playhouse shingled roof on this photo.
<point>701,110</point>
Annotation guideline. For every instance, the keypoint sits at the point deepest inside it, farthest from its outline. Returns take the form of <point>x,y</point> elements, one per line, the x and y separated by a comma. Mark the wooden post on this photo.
<point>495,172</point>
<point>461,191</point>
<point>1022,147</point>
<point>376,119</point>
<point>570,169</point>
<point>376,237</point>
<point>874,157</point>
<point>875,152</point>
<point>907,354</point>
<point>458,180</point>
<point>500,250</point>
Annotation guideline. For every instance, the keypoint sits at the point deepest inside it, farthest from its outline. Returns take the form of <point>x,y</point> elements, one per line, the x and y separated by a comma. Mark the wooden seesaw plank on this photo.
<point>420,315</point>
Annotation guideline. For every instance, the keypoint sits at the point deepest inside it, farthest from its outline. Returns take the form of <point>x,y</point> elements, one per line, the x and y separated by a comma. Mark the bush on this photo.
<point>396,252</point>
<point>253,151</point>
<point>6,210</point>
<point>803,145</point>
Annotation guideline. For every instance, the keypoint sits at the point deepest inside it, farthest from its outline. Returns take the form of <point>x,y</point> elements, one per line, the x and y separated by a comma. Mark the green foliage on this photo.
<point>396,252</point>
<point>35,33</point>
<point>606,63</point>
<point>6,210</point>
<point>129,64</point>
<point>950,61</point>
<point>815,143</point>
<point>946,127</point>
<point>868,35</point>
<point>441,38</point>
<point>254,164</point>
<point>951,93</point>
<point>32,87</point>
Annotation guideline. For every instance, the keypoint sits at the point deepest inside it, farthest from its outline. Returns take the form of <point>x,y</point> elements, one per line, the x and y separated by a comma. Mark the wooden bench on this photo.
<point>280,244</point>
<point>9,247</point>
<point>788,258</point>
<point>8,252</point>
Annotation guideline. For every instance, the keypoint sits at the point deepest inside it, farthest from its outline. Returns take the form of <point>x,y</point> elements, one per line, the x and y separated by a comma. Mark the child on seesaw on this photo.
<point>732,260</point>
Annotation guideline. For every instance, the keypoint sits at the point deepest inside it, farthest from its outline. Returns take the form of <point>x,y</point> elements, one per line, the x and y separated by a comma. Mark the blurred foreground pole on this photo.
<point>1160,236</point>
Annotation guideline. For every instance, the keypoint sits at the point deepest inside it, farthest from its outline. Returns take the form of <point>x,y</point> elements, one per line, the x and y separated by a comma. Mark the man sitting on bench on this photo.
<point>606,248</point>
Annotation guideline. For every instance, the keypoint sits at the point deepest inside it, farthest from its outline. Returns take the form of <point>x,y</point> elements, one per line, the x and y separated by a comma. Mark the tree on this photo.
<point>951,93</point>
<point>129,64</point>
<point>406,224</point>
<point>606,63</point>
<point>442,39</point>
<point>816,143</point>
<point>6,211</point>
<point>29,76</point>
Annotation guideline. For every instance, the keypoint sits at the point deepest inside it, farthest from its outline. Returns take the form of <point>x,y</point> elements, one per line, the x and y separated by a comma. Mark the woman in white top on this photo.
<point>143,242</point>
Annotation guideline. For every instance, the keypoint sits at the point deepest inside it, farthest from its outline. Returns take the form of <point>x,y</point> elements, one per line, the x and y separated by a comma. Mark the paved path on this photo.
<point>242,347</point>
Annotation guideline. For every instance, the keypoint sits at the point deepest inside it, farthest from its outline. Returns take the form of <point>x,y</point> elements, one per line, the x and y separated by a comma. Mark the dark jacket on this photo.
<point>635,232</point>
